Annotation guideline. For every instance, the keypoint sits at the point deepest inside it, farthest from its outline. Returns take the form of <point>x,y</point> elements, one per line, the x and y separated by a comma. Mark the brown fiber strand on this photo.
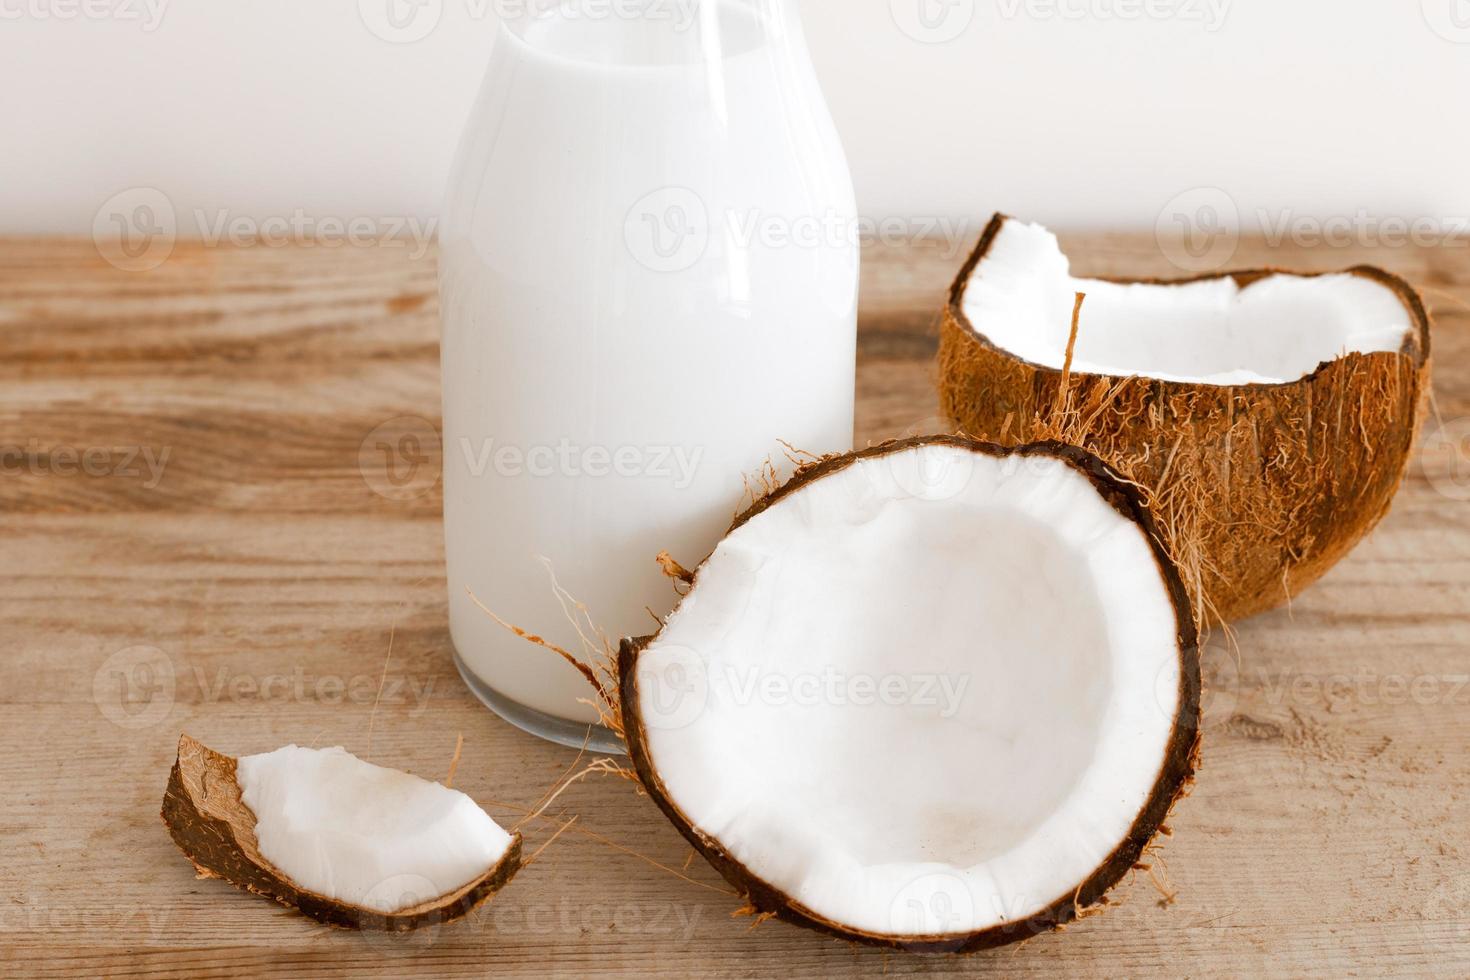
<point>614,845</point>
<point>454,762</point>
<point>382,680</point>
<point>673,570</point>
<point>561,783</point>
<point>1065,387</point>
<point>551,840</point>
<point>586,671</point>
<point>597,648</point>
<point>603,767</point>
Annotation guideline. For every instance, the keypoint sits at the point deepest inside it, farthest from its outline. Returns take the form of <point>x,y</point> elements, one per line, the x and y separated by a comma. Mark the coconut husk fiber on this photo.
<point>1258,489</point>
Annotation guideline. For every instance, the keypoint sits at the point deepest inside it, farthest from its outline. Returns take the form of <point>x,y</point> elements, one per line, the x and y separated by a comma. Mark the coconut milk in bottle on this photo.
<point>649,279</point>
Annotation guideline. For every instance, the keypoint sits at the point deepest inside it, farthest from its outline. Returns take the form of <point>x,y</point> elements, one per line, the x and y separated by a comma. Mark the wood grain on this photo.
<point>248,592</point>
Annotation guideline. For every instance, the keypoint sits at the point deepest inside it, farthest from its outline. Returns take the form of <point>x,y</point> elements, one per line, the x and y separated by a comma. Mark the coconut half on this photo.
<point>936,695</point>
<point>1271,415</point>
<point>343,841</point>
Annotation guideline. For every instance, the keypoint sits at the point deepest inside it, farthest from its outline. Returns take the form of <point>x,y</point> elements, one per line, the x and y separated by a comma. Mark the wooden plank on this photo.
<point>263,575</point>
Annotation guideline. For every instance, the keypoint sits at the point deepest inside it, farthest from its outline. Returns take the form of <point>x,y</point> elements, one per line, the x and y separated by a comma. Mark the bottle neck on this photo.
<point>653,32</point>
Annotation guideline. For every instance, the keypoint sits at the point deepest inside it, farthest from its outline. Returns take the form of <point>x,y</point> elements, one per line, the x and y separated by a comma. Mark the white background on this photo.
<point>1080,113</point>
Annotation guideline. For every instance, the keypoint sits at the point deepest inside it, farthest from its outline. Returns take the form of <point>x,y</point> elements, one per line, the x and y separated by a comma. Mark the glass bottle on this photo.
<point>648,274</point>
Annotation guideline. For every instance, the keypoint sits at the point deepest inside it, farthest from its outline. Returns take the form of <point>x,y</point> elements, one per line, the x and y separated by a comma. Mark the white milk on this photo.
<point>649,277</point>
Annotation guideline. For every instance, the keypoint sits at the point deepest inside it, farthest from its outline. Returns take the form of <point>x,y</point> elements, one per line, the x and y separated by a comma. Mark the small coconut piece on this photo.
<point>1271,416</point>
<point>935,695</point>
<point>344,842</point>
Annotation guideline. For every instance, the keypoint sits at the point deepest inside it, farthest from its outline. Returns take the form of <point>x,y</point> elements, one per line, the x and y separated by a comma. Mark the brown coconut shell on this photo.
<point>1176,772</point>
<point>215,829</point>
<point>1258,489</point>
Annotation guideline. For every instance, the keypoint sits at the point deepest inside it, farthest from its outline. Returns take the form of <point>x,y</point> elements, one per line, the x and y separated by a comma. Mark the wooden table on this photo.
<point>247,594</point>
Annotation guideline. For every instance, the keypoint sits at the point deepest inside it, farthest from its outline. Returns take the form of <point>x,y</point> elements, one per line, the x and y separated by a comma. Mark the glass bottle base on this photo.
<point>573,734</point>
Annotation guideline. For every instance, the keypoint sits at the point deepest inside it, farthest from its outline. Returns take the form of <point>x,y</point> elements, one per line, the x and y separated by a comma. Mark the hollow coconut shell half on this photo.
<point>209,820</point>
<point>937,695</point>
<point>1269,415</point>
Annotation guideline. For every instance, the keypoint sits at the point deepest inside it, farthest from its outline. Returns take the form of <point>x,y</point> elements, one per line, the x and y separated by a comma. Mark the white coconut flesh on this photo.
<point>1211,331</point>
<point>928,694</point>
<point>364,835</point>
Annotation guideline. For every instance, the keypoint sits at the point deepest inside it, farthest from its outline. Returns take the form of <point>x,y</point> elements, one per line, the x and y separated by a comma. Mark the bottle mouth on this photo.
<point>643,33</point>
